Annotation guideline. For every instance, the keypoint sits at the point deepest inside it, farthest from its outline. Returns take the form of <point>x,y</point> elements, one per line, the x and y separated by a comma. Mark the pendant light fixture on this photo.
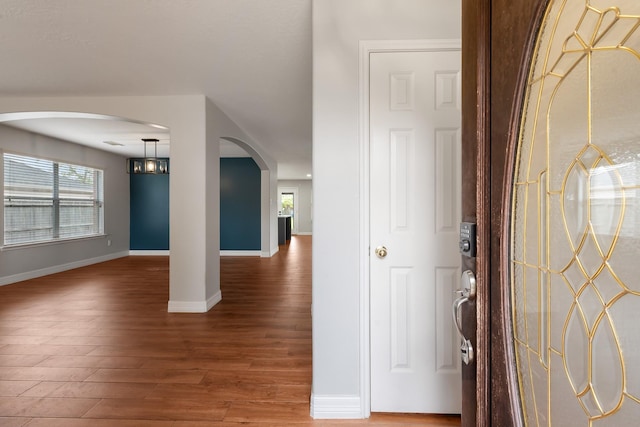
<point>149,165</point>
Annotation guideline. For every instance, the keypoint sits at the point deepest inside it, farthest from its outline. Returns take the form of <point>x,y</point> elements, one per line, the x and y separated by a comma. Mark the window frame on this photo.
<point>56,202</point>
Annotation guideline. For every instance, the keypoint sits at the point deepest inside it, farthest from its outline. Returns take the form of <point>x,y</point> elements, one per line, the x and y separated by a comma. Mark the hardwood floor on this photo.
<point>95,346</point>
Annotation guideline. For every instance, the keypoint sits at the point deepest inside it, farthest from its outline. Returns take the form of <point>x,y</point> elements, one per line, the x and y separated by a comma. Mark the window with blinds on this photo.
<point>48,201</point>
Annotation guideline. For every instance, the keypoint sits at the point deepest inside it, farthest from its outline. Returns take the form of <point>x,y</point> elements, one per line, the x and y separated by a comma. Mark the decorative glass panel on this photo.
<point>575,248</point>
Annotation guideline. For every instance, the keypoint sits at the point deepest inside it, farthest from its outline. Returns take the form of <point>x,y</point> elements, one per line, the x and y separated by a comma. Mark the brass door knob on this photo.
<point>381,252</point>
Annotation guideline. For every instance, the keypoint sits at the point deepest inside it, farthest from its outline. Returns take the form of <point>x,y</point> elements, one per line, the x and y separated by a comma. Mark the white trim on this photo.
<point>149,253</point>
<point>60,268</point>
<point>304,233</point>
<point>30,245</point>
<point>240,253</point>
<point>433,45</point>
<point>274,251</point>
<point>215,299</point>
<point>336,407</point>
<point>364,339</point>
<point>367,47</point>
<point>187,307</point>
<point>194,306</point>
<point>296,203</point>
<point>267,214</point>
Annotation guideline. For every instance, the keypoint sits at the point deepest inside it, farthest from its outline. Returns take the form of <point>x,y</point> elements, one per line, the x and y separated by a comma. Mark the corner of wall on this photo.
<point>215,299</point>
<point>272,252</point>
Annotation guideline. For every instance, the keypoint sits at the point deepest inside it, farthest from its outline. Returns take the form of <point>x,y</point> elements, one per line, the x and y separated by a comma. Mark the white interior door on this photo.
<point>414,213</point>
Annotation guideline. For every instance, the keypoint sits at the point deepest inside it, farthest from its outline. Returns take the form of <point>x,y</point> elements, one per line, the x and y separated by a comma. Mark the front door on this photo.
<point>555,142</point>
<point>496,36</point>
<point>414,193</point>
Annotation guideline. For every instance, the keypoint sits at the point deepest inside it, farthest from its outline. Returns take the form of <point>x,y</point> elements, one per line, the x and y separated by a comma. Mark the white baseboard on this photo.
<point>216,298</point>
<point>187,307</point>
<point>149,253</point>
<point>7,280</point>
<point>336,407</point>
<point>240,253</point>
<point>274,251</point>
<point>304,233</point>
<point>194,306</point>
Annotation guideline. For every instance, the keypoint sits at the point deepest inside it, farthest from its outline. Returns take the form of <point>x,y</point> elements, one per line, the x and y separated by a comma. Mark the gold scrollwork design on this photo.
<point>574,283</point>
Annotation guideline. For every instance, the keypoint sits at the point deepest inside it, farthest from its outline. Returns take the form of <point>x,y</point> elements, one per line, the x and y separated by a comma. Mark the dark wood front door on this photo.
<point>497,43</point>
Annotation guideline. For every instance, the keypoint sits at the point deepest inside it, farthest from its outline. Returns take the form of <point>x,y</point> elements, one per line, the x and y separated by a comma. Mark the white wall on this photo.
<point>338,26</point>
<point>18,264</point>
<point>304,203</point>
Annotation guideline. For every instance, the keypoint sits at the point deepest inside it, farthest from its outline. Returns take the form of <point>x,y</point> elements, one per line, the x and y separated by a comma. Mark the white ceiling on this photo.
<point>252,58</point>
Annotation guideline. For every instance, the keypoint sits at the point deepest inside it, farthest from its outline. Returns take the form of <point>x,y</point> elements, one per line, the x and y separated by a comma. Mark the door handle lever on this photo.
<point>456,313</point>
<point>468,292</point>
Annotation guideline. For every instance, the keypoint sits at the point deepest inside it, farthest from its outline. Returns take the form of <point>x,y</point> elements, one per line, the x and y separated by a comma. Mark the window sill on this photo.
<point>18,246</point>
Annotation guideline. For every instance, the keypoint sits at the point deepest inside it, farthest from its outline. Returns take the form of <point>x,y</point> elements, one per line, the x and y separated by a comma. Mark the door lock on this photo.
<point>468,239</point>
<point>468,292</point>
<point>381,252</point>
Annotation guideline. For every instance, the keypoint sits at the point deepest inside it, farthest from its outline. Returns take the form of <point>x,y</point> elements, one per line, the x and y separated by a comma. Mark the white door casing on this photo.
<point>414,209</point>
<point>294,191</point>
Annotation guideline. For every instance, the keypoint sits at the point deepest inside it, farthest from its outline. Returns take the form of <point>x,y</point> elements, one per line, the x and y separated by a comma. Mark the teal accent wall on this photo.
<point>239,208</point>
<point>239,204</point>
<point>149,212</point>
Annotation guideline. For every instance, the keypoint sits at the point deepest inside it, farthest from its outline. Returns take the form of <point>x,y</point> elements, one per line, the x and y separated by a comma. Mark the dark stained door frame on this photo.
<point>497,44</point>
<point>474,204</point>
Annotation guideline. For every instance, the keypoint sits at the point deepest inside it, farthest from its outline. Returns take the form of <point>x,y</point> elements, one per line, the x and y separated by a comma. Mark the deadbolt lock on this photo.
<point>468,239</point>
